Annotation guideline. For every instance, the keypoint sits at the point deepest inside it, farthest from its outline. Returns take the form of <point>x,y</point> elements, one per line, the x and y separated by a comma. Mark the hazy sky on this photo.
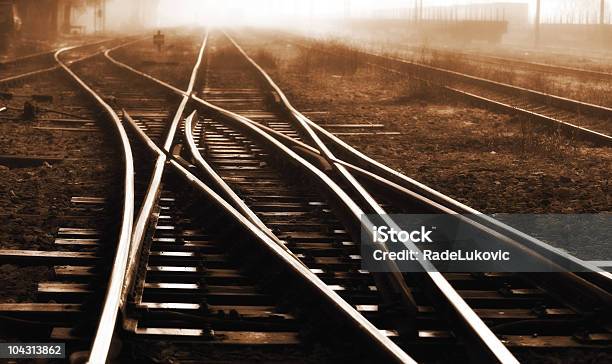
<point>262,11</point>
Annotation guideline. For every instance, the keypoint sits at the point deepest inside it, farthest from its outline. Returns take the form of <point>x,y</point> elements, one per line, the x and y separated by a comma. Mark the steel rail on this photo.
<point>475,55</point>
<point>346,202</point>
<point>246,123</point>
<point>364,325</point>
<point>425,198</point>
<point>174,89</point>
<point>576,286</point>
<point>598,287</point>
<point>343,198</point>
<point>49,53</point>
<point>28,74</point>
<point>223,187</point>
<point>204,167</point>
<point>459,306</point>
<point>106,326</point>
<point>546,67</point>
<point>570,104</point>
<point>480,331</point>
<point>563,102</point>
<point>52,68</point>
<point>39,71</point>
<point>571,129</point>
<point>577,106</point>
<point>572,279</point>
<point>441,283</point>
<point>371,205</point>
<point>351,314</point>
<point>543,253</point>
<point>390,177</point>
<point>153,190</point>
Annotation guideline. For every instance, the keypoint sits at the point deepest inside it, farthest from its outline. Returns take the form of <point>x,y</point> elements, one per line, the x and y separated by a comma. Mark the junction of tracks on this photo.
<point>175,206</point>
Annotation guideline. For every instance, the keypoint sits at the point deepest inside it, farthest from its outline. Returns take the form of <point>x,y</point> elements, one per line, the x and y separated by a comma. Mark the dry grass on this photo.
<point>409,89</point>
<point>329,58</point>
<point>531,140</point>
<point>266,59</point>
<point>334,63</point>
<point>461,63</point>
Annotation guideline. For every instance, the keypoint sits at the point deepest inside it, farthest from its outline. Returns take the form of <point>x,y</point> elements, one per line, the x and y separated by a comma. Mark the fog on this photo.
<point>268,12</point>
<point>364,18</point>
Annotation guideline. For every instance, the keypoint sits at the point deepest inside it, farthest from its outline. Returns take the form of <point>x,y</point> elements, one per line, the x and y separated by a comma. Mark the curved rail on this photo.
<point>106,327</point>
<point>394,352</point>
<point>383,342</point>
<point>52,55</point>
<point>496,348</point>
<point>576,286</point>
<point>370,204</point>
<point>152,193</point>
<point>223,187</point>
<point>481,331</point>
<point>390,176</point>
<point>353,168</point>
<point>48,53</point>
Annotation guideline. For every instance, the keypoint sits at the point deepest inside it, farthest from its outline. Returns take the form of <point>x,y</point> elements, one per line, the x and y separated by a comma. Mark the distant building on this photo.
<point>48,18</point>
<point>516,14</point>
<point>45,18</point>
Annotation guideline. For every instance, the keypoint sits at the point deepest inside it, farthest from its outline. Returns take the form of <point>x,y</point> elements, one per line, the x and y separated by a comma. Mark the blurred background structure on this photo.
<point>48,18</point>
<point>570,22</point>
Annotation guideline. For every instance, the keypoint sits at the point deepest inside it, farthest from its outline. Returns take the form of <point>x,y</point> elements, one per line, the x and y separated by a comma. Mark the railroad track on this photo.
<point>251,101</point>
<point>186,286</point>
<point>91,223</point>
<point>475,56</point>
<point>235,158</point>
<point>293,195</point>
<point>574,118</point>
<point>27,63</point>
<point>24,68</point>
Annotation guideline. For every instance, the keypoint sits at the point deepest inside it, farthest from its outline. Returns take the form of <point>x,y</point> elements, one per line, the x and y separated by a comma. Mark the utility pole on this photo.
<point>602,10</point>
<point>537,23</point>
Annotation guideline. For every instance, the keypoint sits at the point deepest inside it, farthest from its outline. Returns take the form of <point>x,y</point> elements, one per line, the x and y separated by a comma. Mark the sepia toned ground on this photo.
<point>35,197</point>
<point>493,162</point>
